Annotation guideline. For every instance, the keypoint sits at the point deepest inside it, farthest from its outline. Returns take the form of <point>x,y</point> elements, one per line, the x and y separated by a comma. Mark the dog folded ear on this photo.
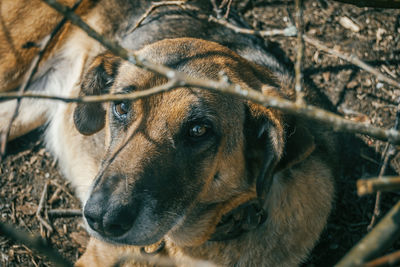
<point>299,144</point>
<point>89,118</point>
<point>274,143</point>
<point>264,144</point>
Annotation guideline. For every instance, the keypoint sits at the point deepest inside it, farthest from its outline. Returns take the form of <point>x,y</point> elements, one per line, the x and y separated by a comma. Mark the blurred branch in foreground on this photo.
<point>179,79</point>
<point>370,186</point>
<point>34,242</point>
<point>380,238</point>
<point>373,3</point>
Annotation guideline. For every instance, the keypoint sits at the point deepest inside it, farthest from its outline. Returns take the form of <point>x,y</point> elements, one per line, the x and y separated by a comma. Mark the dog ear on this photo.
<point>264,144</point>
<point>299,144</point>
<point>89,118</point>
<point>272,145</point>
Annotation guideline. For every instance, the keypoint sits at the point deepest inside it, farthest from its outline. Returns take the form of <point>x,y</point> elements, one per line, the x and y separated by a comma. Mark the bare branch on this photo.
<point>377,209</point>
<point>314,113</point>
<point>35,243</point>
<point>372,185</point>
<point>382,236</point>
<point>65,213</point>
<point>352,59</point>
<point>392,259</point>
<point>228,4</point>
<point>41,207</point>
<point>153,7</point>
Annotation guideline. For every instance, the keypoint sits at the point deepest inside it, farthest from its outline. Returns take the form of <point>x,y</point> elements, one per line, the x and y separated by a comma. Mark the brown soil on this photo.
<point>352,92</point>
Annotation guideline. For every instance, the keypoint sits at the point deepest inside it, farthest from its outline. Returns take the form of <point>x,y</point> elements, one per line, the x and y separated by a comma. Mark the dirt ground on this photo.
<point>372,34</point>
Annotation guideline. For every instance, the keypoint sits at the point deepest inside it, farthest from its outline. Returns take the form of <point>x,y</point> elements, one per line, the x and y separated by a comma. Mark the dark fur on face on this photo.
<point>165,175</point>
<point>173,165</point>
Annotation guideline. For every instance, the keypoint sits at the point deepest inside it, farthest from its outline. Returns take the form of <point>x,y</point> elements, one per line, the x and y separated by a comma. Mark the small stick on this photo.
<point>391,259</point>
<point>352,59</point>
<point>228,7</point>
<point>65,212</point>
<point>381,237</point>
<point>300,52</point>
<point>289,31</point>
<point>55,196</point>
<point>62,187</point>
<point>216,9</point>
<point>42,207</point>
<point>370,186</point>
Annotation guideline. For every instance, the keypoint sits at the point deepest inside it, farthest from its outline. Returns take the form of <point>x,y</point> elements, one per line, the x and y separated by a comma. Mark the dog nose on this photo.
<point>108,217</point>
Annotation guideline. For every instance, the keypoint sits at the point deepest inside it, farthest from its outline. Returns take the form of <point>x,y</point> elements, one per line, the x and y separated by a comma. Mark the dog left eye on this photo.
<point>198,130</point>
<point>121,110</point>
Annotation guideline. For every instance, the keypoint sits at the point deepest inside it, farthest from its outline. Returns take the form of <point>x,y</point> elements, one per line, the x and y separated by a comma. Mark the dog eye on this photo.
<point>121,110</point>
<point>198,130</point>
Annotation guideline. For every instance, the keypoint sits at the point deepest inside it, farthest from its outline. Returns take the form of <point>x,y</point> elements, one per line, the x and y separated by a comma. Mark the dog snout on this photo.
<point>108,217</point>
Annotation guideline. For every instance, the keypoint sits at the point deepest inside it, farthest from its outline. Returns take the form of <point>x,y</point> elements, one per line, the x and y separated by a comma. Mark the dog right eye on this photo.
<point>121,110</point>
<point>198,130</point>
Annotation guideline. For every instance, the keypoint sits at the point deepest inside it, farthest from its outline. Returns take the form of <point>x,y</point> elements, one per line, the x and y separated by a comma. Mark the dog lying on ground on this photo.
<point>198,175</point>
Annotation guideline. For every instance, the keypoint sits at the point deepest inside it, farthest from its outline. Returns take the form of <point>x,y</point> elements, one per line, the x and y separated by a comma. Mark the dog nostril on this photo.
<point>116,229</point>
<point>118,221</point>
<point>91,220</point>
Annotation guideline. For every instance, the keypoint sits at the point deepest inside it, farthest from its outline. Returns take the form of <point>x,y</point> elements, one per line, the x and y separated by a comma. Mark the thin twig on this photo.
<point>300,52</point>
<point>65,213</point>
<point>377,209</point>
<point>289,31</point>
<point>352,59</point>
<point>372,185</point>
<point>228,4</point>
<point>42,207</point>
<point>55,196</point>
<point>43,45</point>
<point>381,237</point>
<point>62,187</point>
<point>34,242</point>
<point>154,6</point>
<point>392,259</point>
<point>216,9</point>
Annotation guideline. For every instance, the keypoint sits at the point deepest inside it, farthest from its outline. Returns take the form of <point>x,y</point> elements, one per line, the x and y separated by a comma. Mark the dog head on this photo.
<point>177,161</point>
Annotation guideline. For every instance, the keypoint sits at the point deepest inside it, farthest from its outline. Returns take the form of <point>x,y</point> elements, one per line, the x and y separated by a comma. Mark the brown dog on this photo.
<point>190,174</point>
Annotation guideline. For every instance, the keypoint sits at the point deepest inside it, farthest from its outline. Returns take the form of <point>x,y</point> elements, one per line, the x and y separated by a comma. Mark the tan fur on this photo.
<point>17,27</point>
<point>298,196</point>
<point>23,21</point>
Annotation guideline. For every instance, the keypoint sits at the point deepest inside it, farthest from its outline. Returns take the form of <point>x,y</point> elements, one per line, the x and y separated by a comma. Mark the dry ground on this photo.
<point>354,93</point>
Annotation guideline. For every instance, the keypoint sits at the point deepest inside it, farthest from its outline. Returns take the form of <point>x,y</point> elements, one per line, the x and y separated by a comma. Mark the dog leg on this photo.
<point>31,115</point>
